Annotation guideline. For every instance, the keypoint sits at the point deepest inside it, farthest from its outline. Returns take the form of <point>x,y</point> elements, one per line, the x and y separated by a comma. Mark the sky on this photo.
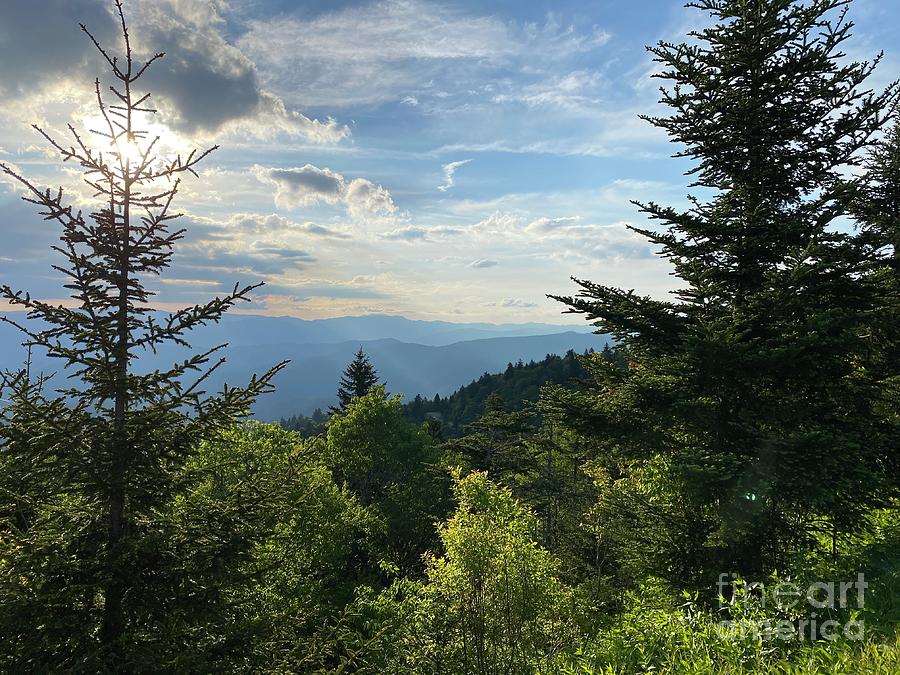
<point>437,160</point>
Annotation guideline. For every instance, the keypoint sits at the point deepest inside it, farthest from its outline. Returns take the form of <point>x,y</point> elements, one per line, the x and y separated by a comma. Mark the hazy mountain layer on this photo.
<point>413,357</point>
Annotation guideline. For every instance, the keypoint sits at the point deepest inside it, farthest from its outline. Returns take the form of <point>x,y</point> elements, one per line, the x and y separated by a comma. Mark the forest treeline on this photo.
<point>517,386</point>
<point>745,436</point>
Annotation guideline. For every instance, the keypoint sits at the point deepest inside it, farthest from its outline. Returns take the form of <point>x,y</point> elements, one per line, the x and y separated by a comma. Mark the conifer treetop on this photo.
<point>357,380</point>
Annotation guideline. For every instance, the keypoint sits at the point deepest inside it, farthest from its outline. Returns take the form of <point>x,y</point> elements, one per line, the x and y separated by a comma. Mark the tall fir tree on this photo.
<point>747,393</point>
<point>98,564</point>
<point>877,211</point>
<point>358,379</point>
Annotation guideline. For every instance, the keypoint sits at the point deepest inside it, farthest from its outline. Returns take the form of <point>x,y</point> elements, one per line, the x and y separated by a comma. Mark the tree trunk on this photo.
<point>113,615</point>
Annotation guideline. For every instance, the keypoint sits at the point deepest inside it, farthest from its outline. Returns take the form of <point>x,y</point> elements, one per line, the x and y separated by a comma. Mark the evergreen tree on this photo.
<point>746,390</point>
<point>496,441</point>
<point>415,410</point>
<point>95,563</point>
<point>358,379</point>
<point>877,209</point>
<point>518,386</point>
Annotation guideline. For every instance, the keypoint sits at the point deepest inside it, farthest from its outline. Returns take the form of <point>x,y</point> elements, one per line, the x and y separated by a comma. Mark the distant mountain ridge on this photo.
<point>310,380</point>
<point>413,357</point>
<point>252,329</point>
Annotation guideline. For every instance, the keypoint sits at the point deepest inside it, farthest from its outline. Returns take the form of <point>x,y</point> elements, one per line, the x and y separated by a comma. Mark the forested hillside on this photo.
<point>517,386</point>
<point>719,493</point>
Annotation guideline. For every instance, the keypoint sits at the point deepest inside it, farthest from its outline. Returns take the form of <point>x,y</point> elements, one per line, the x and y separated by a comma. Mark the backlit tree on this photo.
<point>89,471</point>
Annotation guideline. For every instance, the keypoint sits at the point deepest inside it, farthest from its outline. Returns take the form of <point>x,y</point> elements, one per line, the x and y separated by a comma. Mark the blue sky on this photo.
<point>440,160</point>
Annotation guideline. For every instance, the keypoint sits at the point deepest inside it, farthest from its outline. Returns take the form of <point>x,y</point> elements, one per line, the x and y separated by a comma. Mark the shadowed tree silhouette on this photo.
<point>89,469</point>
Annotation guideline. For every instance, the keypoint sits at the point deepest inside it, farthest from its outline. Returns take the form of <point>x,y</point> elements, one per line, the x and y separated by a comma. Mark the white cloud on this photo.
<point>255,223</point>
<point>577,91</point>
<point>420,233</point>
<point>547,224</point>
<point>560,39</point>
<point>497,223</point>
<point>264,245</point>
<point>607,134</point>
<point>365,199</point>
<point>449,171</point>
<point>408,233</point>
<point>308,184</point>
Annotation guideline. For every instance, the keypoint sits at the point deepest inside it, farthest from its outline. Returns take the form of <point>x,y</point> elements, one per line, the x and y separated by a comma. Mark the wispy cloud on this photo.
<point>381,51</point>
<point>483,263</point>
<point>408,233</point>
<point>449,172</point>
<point>517,303</point>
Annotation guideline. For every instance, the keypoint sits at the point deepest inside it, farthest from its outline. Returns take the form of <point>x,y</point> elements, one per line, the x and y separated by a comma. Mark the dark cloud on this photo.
<point>204,85</point>
<point>201,99</point>
<point>306,184</point>
<point>41,41</point>
<point>207,84</point>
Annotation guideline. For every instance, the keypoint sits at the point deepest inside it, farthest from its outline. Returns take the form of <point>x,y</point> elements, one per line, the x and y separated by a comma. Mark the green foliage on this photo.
<point>660,634</point>
<point>495,588</point>
<point>390,465</point>
<point>518,385</point>
<point>491,603</point>
<point>495,443</point>
<point>758,387</point>
<point>307,426</point>
<point>649,525</point>
<point>542,468</point>
<point>293,580</point>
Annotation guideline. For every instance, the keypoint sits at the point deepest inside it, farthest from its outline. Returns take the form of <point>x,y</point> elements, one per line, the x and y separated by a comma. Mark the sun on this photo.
<point>131,151</point>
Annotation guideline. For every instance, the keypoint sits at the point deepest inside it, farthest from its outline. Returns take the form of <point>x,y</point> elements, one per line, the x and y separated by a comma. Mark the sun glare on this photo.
<point>132,150</point>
